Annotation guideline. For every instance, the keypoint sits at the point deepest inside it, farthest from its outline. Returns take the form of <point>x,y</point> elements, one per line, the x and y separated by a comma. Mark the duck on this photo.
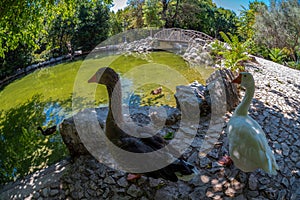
<point>248,145</point>
<point>115,127</point>
<point>48,131</point>
<point>156,91</point>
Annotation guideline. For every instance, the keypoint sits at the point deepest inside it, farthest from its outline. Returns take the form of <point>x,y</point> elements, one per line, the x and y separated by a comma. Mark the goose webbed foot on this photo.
<point>225,161</point>
<point>132,177</point>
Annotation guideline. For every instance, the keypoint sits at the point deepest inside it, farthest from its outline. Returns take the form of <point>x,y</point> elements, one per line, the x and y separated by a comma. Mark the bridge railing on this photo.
<point>181,35</point>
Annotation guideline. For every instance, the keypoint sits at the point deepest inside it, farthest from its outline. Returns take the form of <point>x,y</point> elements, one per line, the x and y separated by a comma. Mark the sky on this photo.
<point>234,5</point>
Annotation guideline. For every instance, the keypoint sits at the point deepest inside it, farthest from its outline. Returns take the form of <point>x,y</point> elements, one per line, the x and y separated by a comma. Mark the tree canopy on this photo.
<point>281,23</point>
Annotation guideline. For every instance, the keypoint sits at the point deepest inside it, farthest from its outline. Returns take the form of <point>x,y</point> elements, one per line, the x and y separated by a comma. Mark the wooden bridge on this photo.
<point>181,35</point>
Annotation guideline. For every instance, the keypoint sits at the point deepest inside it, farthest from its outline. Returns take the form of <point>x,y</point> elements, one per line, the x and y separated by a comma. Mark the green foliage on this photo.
<point>187,14</point>
<point>279,27</point>
<point>225,21</point>
<point>24,21</point>
<point>24,150</point>
<point>84,29</point>
<point>34,31</point>
<point>134,14</point>
<point>235,54</point>
<point>14,60</point>
<point>151,8</point>
<point>295,65</point>
<point>60,34</point>
<point>201,15</point>
<point>246,20</point>
<point>169,136</point>
<point>92,27</point>
<point>116,23</point>
<point>217,47</point>
<point>277,55</point>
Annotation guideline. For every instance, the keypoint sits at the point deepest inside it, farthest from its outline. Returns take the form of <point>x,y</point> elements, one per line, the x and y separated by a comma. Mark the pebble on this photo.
<point>109,180</point>
<point>134,191</point>
<point>252,194</point>
<point>281,195</point>
<point>252,182</point>
<point>298,164</point>
<point>198,193</point>
<point>205,162</point>
<point>285,182</point>
<point>53,192</point>
<point>45,192</point>
<point>154,182</point>
<point>285,149</point>
<point>122,182</point>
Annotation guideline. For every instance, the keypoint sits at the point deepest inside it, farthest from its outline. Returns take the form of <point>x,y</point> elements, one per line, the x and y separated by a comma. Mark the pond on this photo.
<point>45,97</point>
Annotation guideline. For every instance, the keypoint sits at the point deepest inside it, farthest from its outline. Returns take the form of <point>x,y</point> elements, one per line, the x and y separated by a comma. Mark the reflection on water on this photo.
<point>23,148</point>
<point>54,113</point>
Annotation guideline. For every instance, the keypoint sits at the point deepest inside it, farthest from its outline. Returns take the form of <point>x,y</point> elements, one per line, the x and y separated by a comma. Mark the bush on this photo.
<point>277,55</point>
<point>295,65</point>
<point>234,54</point>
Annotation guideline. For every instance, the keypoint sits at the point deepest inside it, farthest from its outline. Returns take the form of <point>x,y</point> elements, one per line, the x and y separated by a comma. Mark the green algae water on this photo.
<point>44,98</point>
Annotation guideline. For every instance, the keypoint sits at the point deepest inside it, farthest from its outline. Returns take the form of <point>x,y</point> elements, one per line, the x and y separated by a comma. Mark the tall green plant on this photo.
<point>235,53</point>
<point>277,55</point>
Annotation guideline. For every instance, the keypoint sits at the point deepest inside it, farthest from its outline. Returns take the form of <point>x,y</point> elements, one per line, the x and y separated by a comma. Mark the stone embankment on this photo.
<point>276,107</point>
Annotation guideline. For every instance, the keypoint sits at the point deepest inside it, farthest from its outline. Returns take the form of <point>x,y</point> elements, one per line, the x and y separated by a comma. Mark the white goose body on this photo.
<point>248,145</point>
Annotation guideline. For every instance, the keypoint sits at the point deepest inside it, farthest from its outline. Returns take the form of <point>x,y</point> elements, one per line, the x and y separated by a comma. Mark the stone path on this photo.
<point>275,107</point>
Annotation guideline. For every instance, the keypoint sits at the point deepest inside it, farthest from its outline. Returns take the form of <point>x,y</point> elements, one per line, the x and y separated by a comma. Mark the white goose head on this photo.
<point>245,79</point>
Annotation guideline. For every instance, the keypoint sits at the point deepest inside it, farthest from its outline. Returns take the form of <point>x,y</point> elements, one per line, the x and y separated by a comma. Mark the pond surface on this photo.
<point>44,98</point>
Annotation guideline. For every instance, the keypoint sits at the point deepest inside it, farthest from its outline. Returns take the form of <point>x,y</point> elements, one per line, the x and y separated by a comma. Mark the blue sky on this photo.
<point>234,5</point>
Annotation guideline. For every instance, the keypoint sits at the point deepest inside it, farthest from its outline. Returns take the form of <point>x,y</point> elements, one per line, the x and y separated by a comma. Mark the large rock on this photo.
<point>71,138</point>
<point>220,81</point>
<point>193,97</point>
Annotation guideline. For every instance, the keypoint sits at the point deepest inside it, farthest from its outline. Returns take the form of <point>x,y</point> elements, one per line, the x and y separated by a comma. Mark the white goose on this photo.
<point>248,145</point>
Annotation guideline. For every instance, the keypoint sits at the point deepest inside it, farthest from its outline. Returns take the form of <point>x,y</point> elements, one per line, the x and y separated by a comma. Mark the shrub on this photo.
<point>234,54</point>
<point>277,55</point>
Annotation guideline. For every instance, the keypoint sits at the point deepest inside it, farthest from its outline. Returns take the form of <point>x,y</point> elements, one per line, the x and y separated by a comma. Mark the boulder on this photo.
<point>193,97</point>
<point>220,80</point>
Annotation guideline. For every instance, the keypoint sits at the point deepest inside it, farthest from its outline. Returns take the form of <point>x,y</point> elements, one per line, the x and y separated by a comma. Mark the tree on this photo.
<point>225,21</point>
<point>281,24</point>
<point>246,20</point>
<point>21,22</point>
<point>92,27</point>
<point>116,23</point>
<point>202,16</point>
<point>32,27</point>
<point>135,11</point>
<point>60,34</point>
<point>151,13</point>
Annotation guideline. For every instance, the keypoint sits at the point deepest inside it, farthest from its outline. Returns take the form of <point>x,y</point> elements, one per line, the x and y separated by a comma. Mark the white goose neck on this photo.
<point>243,107</point>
